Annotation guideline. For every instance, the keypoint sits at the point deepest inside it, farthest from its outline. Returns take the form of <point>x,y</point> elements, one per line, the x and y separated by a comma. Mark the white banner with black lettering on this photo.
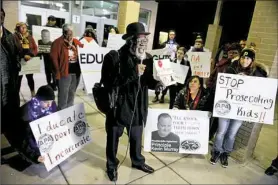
<point>245,98</point>
<point>160,54</point>
<point>61,134</point>
<point>91,59</point>
<point>180,131</point>
<point>200,63</point>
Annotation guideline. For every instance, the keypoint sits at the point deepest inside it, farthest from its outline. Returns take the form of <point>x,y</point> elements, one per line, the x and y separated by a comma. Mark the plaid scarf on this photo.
<point>192,105</point>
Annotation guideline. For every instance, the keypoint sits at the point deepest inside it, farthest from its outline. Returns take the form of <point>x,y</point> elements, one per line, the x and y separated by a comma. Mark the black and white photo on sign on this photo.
<point>61,134</point>
<point>237,97</point>
<point>177,131</point>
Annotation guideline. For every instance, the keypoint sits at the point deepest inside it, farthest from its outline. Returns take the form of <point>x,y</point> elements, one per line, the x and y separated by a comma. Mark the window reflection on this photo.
<point>144,17</point>
<point>104,9</point>
<point>53,5</point>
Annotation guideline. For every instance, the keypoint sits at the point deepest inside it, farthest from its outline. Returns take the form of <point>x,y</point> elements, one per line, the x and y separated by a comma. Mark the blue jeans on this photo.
<point>66,90</point>
<point>226,133</point>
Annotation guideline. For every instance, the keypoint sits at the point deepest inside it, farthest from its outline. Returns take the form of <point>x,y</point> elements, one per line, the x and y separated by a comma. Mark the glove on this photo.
<point>27,57</point>
<point>159,87</point>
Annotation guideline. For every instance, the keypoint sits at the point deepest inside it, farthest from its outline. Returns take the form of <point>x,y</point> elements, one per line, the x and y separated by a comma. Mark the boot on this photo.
<point>33,94</point>
<point>161,99</point>
<point>156,99</point>
<point>215,157</point>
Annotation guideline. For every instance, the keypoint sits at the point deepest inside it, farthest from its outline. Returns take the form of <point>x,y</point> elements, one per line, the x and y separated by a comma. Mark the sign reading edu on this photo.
<point>239,97</point>
<point>91,58</point>
<point>61,134</point>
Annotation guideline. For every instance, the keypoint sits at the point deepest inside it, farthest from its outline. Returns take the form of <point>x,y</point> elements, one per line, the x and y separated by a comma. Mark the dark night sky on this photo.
<point>187,17</point>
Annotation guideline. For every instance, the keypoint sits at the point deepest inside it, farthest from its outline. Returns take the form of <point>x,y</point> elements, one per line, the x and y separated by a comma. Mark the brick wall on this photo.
<point>12,14</point>
<point>263,32</point>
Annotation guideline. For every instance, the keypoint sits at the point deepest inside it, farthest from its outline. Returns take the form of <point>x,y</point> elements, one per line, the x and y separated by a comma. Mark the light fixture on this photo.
<point>59,5</point>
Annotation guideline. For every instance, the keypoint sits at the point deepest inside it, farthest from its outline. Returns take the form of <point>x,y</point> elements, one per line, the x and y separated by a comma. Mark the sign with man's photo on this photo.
<point>61,134</point>
<point>44,36</point>
<point>178,131</point>
<point>245,98</point>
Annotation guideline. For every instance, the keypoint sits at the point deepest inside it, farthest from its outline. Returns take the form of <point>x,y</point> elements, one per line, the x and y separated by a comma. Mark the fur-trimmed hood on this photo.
<point>261,67</point>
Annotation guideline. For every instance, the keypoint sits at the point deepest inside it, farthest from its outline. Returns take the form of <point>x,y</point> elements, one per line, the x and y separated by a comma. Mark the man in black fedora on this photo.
<point>130,70</point>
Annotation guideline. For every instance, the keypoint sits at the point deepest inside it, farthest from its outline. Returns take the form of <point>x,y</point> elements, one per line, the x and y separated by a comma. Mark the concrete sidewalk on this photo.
<point>88,165</point>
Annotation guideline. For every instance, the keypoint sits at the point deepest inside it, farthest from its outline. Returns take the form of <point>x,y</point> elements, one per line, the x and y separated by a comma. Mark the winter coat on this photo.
<point>60,56</point>
<point>10,67</point>
<point>220,67</point>
<point>127,81</point>
<point>257,69</point>
<point>32,111</point>
<point>204,103</point>
<point>33,48</point>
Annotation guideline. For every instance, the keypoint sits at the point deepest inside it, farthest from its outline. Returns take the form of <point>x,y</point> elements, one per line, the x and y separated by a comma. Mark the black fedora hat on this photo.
<point>135,28</point>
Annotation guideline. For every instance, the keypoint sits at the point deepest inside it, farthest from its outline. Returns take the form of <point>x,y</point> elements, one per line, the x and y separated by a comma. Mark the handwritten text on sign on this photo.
<point>91,58</point>
<point>200,63</point>
<point>178,131</point>
<point>238,97</point>
<point>61,134</point>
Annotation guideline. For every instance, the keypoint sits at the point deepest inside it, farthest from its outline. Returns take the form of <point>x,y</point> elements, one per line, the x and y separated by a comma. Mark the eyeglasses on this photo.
<point>142,40</point>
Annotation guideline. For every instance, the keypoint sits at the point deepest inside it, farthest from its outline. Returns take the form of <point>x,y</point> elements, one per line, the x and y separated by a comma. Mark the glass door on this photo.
<point>105,25</point>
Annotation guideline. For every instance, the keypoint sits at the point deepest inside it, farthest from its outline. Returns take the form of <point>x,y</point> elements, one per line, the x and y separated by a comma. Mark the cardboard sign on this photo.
<point>160,54</point>
<point>31,66</point>
<point>200,63</point>
<point>115,41</point>
<point>61,134</point>
<point>179,131</point>
<point>245,98</point>
<point>91,59</point>
<point>48,35</point>
<point>180,72</point>
<point>162,71</point>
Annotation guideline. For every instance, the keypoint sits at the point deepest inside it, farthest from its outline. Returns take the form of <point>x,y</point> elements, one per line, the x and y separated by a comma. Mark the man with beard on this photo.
<point>132,81</point>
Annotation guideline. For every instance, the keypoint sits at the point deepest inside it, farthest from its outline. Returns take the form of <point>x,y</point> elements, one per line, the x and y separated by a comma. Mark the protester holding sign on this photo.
<point>228,128</point>
<point>39,106</point>
<point>89,36</point>
<point>127,75</point>
<point>27,49</point>
<point>66,66</point>
<point>174,89</point>
<point>194,96</point>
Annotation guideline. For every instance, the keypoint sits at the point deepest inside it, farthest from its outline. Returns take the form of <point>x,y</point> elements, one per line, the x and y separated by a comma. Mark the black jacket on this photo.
<point>127,81</point>
<point>204,103</point>
<point>258,69</point>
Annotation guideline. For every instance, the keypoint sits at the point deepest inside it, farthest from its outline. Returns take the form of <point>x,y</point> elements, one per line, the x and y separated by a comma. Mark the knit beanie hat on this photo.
<point>45,93</point>
<point>248,53</point>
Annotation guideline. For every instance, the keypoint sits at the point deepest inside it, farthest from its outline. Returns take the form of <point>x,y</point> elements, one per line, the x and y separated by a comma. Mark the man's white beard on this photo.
<point>140,53</point>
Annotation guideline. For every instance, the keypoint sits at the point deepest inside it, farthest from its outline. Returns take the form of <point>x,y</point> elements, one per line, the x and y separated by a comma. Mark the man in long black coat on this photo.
<point>9,69</point>
<point>132,103</point>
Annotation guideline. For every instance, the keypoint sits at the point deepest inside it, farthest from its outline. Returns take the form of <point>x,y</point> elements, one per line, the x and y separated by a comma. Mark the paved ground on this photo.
<point>88,165</point>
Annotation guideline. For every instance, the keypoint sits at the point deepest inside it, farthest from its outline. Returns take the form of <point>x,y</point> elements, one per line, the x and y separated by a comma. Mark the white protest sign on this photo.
<point>200,63</point>
<point>239,97</point>
<point>91,59</point>
<point>180,72</point>
<point>181,131</point>
<point>162,71</point>
<point>115,41</point>
<point>159,54</point>
<point>31,66</point>
<point>47,36</point>
<point>61,134</point>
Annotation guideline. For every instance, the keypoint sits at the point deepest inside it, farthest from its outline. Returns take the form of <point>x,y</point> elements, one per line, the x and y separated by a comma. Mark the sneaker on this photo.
<point>214,157</point>
<point>224,159</point>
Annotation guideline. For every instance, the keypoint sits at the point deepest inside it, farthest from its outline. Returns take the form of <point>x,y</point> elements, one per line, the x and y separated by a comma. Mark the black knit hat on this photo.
<point>45,93</point>
<point>248,53</point>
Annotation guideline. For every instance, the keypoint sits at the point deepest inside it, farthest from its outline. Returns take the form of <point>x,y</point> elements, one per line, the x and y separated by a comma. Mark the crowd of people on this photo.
<point>130,71</point>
